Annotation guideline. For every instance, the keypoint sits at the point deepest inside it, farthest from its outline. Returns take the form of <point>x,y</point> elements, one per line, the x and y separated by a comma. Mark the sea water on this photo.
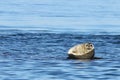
<point>35,36</point>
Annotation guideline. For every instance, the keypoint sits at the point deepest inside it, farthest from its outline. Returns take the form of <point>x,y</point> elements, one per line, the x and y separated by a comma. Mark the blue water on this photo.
<point>35,36</point>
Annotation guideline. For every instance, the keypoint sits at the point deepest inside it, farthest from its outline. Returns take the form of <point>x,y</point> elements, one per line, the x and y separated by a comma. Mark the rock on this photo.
<point>82,51</point>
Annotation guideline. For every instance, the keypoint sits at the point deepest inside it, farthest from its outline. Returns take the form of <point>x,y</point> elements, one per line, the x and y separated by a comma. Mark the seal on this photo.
<point>82,51</point>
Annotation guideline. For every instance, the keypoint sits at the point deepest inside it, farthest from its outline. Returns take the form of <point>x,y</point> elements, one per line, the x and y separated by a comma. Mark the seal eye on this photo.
<point>87,45</point>
<point>91,45</point>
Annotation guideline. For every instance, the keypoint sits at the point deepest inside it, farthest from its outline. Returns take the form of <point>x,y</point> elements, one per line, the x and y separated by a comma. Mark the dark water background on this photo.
<point>35,36</point>
<point>39,55</point>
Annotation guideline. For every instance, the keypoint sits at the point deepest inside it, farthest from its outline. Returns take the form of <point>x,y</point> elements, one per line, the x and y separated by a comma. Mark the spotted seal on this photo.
<point>82,51</point>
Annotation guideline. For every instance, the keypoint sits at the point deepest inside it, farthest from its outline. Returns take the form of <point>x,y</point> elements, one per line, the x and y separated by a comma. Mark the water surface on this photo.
<point>28,55</point>
<point>35,36</point>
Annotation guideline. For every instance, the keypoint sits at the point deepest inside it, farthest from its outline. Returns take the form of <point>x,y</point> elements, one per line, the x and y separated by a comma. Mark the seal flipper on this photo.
<point>71,56</point>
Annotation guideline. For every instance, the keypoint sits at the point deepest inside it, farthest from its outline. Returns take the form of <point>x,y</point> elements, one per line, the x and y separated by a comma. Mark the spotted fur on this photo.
<point>85,50</point>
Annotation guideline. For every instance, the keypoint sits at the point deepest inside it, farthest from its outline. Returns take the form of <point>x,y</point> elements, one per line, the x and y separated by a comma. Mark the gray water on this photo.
<point>35,36</point>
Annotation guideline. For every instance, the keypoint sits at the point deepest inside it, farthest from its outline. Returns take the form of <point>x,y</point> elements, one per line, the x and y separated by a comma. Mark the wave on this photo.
<point>44,45</point>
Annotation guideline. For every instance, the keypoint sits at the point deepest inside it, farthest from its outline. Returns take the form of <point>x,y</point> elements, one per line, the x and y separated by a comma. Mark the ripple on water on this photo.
<point>30,56</point>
